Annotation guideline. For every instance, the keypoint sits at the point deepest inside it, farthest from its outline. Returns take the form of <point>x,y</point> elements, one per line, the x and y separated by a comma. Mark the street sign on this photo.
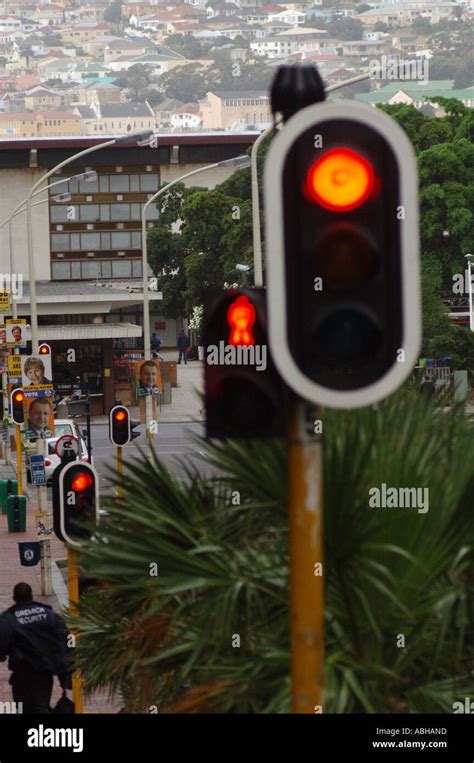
<point>38,472</point>
<point>67,442</point>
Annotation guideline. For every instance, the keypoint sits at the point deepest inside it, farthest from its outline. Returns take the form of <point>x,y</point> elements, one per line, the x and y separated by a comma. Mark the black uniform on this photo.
<point>36,641</point>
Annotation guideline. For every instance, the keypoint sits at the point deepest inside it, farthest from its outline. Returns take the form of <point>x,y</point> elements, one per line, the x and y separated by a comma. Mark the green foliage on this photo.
<point>169,640</point>
<point>192,81</point>
<point>113,13</point>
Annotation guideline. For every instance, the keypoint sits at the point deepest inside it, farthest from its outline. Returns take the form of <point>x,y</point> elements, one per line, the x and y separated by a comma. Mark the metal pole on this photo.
<point>471,315</point>
<point>88,426</point>
<point>119,471</point>
<point>43,513</point>
<point>19,474</point>
<point>306,558</point>
<point>73,586</point>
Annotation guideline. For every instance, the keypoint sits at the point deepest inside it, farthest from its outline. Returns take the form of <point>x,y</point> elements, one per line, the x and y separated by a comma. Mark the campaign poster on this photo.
<point>148,378</point>
<point>3,335</point>
<point>36,375</point>
<point>16,332</point>
<point>4,356</point>
<point>39,417</point>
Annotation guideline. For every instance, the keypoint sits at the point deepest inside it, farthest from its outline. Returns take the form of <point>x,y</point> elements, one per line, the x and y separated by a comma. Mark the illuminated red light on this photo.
<point>43,350</point>
<point>19,397</point>
<point>241,317</point>
<point>81,482</point>
<point>340,180</point>
<point>120,416</point>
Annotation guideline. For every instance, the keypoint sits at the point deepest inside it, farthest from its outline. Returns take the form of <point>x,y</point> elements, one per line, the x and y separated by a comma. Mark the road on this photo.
<point>173,442</point>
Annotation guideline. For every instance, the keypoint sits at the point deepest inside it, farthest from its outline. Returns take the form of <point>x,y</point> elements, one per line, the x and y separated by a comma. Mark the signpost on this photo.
<point>38,471</point>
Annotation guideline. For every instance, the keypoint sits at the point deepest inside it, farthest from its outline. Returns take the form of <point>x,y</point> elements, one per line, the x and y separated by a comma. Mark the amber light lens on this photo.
<point>340,180</point>
<point>345,257</point>
<point>120,416</point>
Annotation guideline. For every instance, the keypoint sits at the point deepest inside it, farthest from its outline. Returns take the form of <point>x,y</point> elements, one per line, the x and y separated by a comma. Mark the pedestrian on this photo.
<point>155,345</point>
<point>183,344</point>
<point>35,639</point>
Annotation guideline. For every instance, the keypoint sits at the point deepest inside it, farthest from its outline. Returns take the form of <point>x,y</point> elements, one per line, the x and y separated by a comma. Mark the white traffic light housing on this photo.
<point>342,242</point>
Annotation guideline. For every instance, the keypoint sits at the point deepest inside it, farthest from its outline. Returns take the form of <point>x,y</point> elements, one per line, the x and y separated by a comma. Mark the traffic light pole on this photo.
<point>305,467</point>
<point>19,465</point>
<point>119,471</point>
<point>73,588</point>
<point>44,514</point>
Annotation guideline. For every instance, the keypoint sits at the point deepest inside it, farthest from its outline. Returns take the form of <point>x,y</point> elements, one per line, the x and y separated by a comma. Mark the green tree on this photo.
<point>165,636</point>
<point>113,13</point>
<point>346,29</point>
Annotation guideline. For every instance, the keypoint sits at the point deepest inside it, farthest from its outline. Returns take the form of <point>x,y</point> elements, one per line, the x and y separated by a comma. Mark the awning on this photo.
<point>87,331</point>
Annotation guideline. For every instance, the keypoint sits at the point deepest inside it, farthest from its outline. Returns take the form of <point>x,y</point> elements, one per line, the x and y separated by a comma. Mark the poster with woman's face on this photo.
<point>36,371</point>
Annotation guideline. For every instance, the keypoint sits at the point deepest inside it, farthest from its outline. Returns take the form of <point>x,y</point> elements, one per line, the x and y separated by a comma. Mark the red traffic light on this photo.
<point>81,482</point>
<point>340,180</point>
<point>120,415</point>
<point>241,317</point>
<point>44,349</point>
<point>19,396</point>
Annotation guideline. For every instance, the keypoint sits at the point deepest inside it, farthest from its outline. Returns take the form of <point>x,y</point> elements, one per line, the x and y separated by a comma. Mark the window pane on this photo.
<point>152,212</point>
<point>118,183</point>
<point>89,212</point>
<point>149,182</point>
<point>136,268</point>
<point>121,268</point>
<point>91,187</point>
<point>72,186</point>
<point>58,214</point>
<point>75,241</point>
<point>120,240</point>
<point>106,269</point>
<point>90,269</point>
<point>135,210</point>
<point>104,183</point>
<point>134,182</point>
<point>75,269</point>
<point>60,270</point>
<point>60,188</point>
<point>120,211</point>
<point>104,212</point>
<point>105,240</point>
<point>136,239</point>
<point>90,240</point>
<point>59,241</point>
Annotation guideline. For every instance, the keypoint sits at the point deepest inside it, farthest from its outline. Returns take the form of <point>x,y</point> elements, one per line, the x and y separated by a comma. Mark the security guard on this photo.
<point>36,641</point>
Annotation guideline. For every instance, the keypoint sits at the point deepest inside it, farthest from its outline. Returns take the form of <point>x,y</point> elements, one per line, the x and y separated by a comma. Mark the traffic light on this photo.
<point>121,426</point>
<point>77,504</point>
<point>341,209</point>
<point>244,394</point>
<point>17,399</point>
<point>44,349</point>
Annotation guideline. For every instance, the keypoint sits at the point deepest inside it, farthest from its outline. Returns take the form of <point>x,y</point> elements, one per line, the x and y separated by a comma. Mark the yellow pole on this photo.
<point>73,586</point>
<point>18,460</point>
<point>119,471</point>
<point>306,558</point>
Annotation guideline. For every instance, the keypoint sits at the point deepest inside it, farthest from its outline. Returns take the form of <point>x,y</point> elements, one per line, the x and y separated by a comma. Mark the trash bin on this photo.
<point>16,513</point>
<point>7,487</point>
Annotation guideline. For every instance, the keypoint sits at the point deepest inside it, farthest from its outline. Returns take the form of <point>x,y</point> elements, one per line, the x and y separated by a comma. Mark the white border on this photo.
<point>275,248</point>
<point>62,508</point>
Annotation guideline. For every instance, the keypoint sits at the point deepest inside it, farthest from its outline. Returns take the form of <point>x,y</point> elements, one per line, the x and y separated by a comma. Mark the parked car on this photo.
<point>51,460</point>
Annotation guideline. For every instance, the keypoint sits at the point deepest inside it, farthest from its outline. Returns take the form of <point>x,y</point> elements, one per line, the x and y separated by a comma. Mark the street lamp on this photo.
<point>236,161</point>
<point>141,138</point>
<point>470,258</point>
<point>21,207</point>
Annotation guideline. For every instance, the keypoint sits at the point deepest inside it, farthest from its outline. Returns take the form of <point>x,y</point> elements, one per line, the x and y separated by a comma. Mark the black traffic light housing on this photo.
<point>341,213</point>
<point>17,400</point>
<point>44,349</point>
<point>244,394</point>
<point>75,501</point>
<point>121,426</point>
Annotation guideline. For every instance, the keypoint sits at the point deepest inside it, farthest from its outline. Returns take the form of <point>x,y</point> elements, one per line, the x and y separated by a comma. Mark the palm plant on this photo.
<point>209,632</point>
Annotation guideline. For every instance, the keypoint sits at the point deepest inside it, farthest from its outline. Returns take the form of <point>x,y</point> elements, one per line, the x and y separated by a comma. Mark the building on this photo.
<point>222,110</point>
<point>37,124</point>
<point>88,253</point>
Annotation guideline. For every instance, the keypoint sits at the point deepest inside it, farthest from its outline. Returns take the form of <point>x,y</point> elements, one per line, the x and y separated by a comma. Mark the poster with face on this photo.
<point>16,333</point>
<point>148,378</point>
<point>4,355</point>
<point>3,335</point>
<point>36,372</point>
<point>39,418</point>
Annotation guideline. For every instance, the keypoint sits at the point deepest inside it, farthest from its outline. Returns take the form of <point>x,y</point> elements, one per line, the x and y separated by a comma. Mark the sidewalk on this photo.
<point>12,572</point>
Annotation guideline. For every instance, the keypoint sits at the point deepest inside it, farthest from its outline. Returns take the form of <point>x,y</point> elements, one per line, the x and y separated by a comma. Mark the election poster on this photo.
<point>39,418</point>
<point>16,332</point>
<point>148,378</point>
<point>37,375</point>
